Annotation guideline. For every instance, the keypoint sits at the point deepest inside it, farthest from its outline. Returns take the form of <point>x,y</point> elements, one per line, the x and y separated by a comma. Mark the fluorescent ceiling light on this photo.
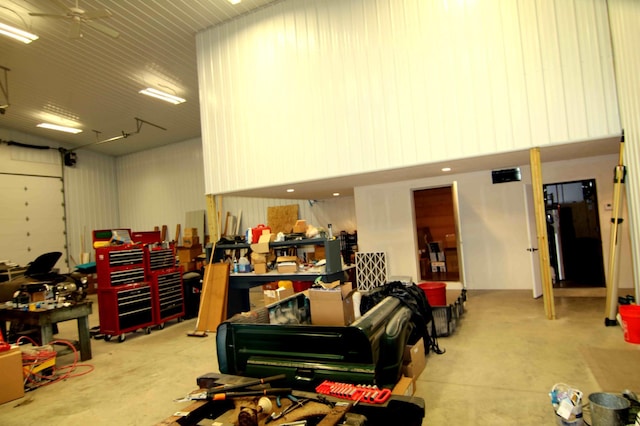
<point>336,194</point>
<point>162,95</point>
<point>290,190</point>
<point>17,34</point>
<point>234,1</point>
<point>446,169</point>
<point>59,128</point>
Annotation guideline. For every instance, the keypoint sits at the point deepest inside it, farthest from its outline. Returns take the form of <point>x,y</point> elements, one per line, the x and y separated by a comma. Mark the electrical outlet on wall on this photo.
<point>608,206</point>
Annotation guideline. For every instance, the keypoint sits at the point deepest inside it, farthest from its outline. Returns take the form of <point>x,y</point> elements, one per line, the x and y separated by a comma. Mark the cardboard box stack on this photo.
<point>190,238</point>
<point>287,264</point>
<point>260,253</point>
<point>332,304</point>
<point>190,250</point>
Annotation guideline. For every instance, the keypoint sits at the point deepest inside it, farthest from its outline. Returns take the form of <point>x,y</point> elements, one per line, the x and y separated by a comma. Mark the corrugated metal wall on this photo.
<point>91,201</point>
<point>157,187</point>
<point>337,87</point>
<point>625,34</point>
<point>339,212</point>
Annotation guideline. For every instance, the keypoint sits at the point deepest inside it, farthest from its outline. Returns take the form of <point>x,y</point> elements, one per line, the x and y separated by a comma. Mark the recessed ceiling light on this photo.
<point>290,190</point>
<point>336,194</point>
<point>446,169</point>
<point>159,94</point>
<point>59,128</point>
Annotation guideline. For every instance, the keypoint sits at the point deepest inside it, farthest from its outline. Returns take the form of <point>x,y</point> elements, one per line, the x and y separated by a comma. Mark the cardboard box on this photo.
<point>332,305</point>
<point>414,360</point>
<point>11,380</point>
<point>189,254</point>
<point>262,246</point>
<point>300,227</point>
<point>190,232</point>
<point>406,386</point>
<point>260,268</point>
<point>272,296</point>
<point>190,241</point>
<point>287,264</point>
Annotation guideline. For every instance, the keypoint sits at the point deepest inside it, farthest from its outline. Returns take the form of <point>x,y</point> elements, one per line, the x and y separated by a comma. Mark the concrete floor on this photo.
<point>498,368</point>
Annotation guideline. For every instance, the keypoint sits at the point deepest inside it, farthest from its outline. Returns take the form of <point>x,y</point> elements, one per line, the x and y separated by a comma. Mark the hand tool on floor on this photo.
<point>269,391</point>
<point>287,410</point>
<point>262,381</point>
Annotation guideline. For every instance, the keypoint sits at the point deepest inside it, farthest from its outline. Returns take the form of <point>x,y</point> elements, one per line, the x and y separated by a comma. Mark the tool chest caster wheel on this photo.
<point>122,338</point>
<point>107,337</point>
<point>160,326</point>
<point>147,330</point>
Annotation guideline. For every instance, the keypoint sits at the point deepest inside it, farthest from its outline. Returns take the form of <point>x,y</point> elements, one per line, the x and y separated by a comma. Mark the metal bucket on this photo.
<point>608,409</point>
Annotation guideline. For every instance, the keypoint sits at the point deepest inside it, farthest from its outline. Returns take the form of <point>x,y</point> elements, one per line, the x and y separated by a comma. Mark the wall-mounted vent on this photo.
<point>506,175</point>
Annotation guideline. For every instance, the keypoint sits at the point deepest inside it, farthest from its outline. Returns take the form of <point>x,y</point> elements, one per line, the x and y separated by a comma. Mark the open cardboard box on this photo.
<point>331,304</point>
<point>414,360</point>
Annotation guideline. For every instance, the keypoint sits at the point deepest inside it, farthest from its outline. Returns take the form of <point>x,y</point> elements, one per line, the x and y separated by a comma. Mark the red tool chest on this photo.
<point>139,287</point>
<point>166,284</point>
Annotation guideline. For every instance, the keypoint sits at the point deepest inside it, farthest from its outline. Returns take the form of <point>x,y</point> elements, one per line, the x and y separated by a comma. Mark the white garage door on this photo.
<point>31,218</point>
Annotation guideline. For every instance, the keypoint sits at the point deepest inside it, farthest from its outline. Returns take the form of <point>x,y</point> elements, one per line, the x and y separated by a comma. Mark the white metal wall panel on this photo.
<point>625,16</point>
<point>339,212</point>
<point>157,187</point>
<point>337,87</point>
<point>91,201</point>
<point>492,218</point>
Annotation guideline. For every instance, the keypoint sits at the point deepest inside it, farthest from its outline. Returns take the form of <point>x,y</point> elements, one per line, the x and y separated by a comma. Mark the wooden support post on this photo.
<point>614,243</point>
<point>212,218</point>
<point>541,229</point>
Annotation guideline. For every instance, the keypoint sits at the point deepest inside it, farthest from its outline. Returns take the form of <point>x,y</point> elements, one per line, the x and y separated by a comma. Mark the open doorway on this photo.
<point>436,230</point>
<point>573,227</point>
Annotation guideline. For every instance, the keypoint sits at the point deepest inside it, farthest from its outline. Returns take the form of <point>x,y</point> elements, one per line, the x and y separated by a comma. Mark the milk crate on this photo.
<point>444,319</point>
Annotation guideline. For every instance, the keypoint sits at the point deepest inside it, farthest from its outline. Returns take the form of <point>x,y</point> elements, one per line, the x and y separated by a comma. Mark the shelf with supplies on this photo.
<point>241,282</point>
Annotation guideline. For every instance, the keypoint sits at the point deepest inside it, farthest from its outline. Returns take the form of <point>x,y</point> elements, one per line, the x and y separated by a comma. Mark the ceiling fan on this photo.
<point>80,17</point>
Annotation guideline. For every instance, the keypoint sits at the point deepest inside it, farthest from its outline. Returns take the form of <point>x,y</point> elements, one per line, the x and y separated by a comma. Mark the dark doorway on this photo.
<point>573,227</point>
<point>436,230</point>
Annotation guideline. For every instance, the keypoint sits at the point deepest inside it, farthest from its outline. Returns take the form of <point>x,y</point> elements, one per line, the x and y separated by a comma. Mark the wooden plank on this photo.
<point>212,218</point>
<point>541,229</point>
<point>177,239</point>
<point>163,235</point>
<point>213,301</point>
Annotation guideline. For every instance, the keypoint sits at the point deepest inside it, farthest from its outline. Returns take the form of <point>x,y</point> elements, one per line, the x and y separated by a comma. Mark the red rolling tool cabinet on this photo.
<point>124,294</point>
<point>166,284</point>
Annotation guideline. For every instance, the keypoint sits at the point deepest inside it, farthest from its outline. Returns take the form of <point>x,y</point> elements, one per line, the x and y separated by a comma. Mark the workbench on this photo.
<point>45,318</point>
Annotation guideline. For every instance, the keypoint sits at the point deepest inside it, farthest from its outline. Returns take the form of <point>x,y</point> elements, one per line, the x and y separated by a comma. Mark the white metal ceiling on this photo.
<point>94,81</point>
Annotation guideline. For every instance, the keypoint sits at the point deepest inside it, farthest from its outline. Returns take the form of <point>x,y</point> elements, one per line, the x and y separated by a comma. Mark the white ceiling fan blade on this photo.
<point>76,29</point>
<point>97,14</point>
<point>48,15</point>
<point>103,28</point>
